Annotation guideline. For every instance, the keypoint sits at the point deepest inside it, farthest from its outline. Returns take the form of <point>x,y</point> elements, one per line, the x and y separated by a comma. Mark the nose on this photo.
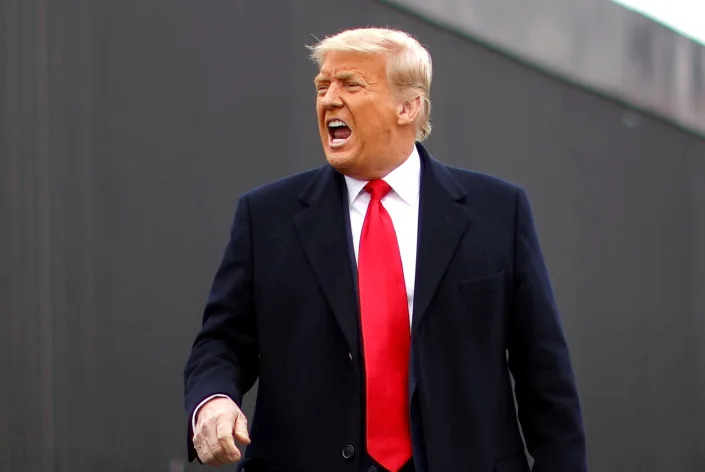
<point>331,99</point>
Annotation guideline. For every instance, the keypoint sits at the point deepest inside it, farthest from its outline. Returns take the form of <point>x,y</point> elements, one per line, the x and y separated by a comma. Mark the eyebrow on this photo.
<point>341,75</point>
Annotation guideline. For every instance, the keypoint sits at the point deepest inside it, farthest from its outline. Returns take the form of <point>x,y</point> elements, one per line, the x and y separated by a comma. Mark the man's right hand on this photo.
<point>219,423</point>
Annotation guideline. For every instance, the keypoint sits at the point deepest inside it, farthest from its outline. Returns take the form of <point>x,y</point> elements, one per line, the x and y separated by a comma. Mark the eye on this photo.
<point>321,89</point>
<point>353,85</point>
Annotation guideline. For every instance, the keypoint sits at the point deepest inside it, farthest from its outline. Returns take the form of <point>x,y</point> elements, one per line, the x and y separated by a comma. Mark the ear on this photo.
<point>408,111</point>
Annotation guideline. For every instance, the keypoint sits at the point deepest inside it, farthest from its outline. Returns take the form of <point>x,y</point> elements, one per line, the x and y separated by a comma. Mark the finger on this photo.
<point>215,431</point>
<point>205,453</point>
<point>224,433</point>
<point>211,446</point>
<point>241,429</point>
<point>216,449</point>
<point>200,450</point>
<point>199,453</point>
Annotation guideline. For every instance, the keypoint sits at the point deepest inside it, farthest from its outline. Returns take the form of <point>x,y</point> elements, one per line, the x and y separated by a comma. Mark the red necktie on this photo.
<point>384,313</point>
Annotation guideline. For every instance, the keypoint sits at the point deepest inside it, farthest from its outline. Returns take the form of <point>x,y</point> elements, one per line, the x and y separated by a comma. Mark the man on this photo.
<point>382,301</point>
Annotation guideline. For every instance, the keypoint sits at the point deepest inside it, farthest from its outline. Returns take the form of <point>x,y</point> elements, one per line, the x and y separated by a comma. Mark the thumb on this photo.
<point>241,429</point>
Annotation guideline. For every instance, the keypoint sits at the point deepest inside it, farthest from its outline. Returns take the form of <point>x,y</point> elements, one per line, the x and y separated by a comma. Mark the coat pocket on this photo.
<point>482,285</point>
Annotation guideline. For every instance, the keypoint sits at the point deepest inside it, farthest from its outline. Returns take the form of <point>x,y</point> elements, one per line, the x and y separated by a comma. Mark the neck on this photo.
<point>395,160</point>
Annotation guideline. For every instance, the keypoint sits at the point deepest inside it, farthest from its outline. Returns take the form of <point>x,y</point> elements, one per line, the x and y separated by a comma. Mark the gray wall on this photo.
<point>128,129</point>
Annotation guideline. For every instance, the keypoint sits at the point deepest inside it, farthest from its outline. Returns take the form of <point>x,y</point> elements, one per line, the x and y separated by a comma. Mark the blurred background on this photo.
<point>129,129</point>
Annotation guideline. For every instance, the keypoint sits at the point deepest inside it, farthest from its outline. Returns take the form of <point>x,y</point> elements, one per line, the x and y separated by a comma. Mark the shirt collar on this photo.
<point>404,180</point>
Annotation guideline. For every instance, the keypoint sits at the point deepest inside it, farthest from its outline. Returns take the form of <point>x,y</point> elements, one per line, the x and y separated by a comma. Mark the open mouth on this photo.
<point>338,133</point>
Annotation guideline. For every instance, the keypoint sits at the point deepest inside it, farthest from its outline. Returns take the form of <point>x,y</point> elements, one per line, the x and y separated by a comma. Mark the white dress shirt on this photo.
<point>402,204</point>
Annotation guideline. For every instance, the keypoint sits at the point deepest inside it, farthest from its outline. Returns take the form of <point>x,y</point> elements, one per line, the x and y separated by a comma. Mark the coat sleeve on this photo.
<point>224,356</point>
<point>547,398</point>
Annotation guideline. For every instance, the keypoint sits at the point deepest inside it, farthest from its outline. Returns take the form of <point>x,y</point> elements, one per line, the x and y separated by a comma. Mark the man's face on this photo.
<point>357,115</point>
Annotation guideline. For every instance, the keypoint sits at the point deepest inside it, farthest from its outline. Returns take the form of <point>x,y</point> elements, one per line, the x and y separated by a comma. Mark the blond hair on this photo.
<point>408,64</point>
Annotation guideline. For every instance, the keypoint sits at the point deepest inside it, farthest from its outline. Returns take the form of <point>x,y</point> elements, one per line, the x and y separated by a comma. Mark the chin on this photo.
<point>340,161</point>
<point>337,160</point>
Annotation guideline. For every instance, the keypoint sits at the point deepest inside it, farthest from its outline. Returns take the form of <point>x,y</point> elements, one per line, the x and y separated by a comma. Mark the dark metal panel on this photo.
<point>696,190</point>
<point>26,309</point>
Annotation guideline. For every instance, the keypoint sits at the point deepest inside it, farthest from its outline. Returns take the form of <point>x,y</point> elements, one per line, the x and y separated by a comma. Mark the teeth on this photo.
<point>336,124</point>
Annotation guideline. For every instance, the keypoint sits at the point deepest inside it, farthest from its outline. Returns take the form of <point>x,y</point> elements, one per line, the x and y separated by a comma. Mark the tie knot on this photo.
<point>377,189</point>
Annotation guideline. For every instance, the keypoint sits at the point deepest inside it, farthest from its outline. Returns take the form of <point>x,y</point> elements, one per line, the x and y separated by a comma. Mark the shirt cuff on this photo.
<point>195,412</point>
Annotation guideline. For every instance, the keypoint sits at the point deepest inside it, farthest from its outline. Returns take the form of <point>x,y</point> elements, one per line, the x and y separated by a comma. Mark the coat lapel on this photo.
<point>442,222</point>
<point>323,232</point>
